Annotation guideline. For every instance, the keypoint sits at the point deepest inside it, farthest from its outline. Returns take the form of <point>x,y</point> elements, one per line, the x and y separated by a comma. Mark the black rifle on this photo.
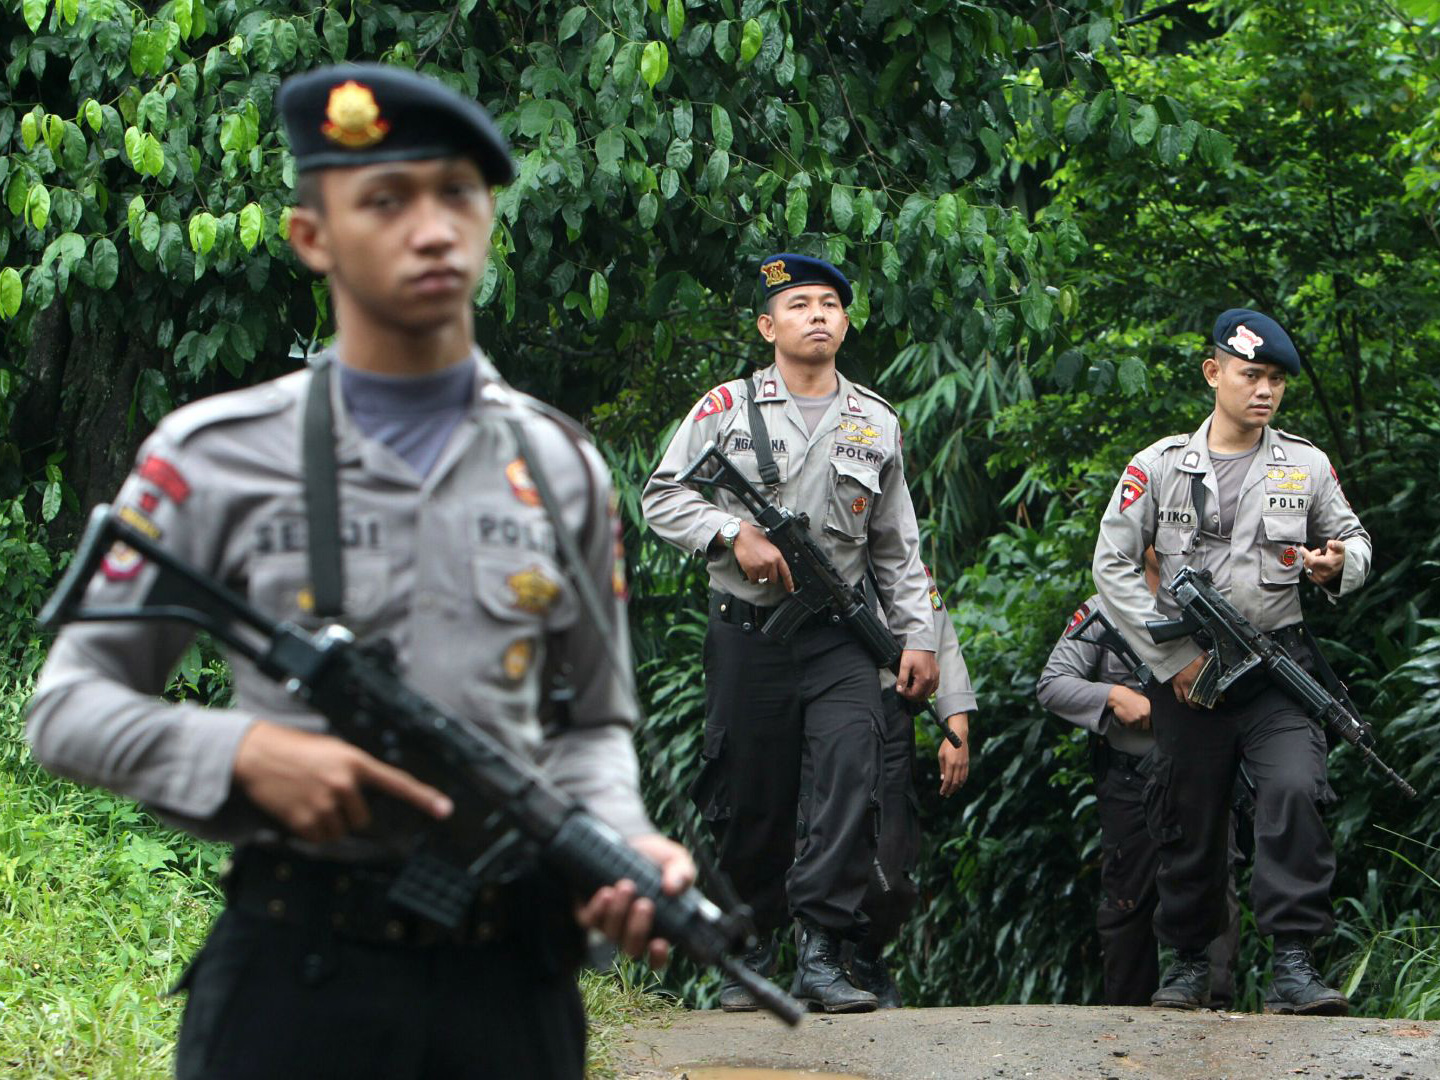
<point>1236,647</point>
<point>505,808</point>
<point>1109,637</point>
<point>819,588</point>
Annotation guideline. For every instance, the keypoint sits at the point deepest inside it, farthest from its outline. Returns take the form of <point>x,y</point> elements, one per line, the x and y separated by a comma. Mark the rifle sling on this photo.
<point>760,439</point>
<point>1197,496</point>
<point>322,495</point>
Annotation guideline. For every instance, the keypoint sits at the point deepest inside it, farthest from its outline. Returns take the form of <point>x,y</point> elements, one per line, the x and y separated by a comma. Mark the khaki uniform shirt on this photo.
<point>848,477</point>
<point>1076,682</point>
<point>955,694</point>
<point>1290,497</point>
<point>458,570</point>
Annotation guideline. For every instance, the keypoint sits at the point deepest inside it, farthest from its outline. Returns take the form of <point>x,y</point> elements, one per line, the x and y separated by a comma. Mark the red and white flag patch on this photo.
<point>716,401</point>
<point>1132,485</point>
<point>1076,619</point>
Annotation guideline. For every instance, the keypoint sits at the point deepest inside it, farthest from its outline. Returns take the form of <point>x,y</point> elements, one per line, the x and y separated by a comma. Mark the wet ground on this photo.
<point>1046,1042</point>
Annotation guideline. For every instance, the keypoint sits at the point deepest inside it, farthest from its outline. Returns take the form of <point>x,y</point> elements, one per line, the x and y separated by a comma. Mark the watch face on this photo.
<point>730,530</point>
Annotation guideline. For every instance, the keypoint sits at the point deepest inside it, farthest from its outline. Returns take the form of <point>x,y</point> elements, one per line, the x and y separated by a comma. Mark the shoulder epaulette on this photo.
<point>246,404</point>
<point>1294,438</point>
<point>1169,442</point>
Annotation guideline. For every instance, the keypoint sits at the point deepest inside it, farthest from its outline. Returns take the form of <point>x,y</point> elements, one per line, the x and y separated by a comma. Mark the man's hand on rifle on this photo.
<point>1324,566</point>
<point>314,784</point>
<point>1185,679</point>
<point>761,560</point>
<point>617,913</point>
<point>955,760</point>
<point>1130,707</point>
<point>918,675</point>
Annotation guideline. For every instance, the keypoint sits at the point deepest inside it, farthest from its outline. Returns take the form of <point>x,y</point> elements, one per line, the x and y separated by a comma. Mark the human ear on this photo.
<point>766,325</point>
<point>310,240</point>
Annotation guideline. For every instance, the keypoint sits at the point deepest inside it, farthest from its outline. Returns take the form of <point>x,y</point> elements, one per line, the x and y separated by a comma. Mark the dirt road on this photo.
<point>1044,1042</point>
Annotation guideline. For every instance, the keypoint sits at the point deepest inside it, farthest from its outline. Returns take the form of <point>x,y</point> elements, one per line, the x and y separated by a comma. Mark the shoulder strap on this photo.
<point>760,439</point>
<point>1197,496</point>
<point>322,495</point>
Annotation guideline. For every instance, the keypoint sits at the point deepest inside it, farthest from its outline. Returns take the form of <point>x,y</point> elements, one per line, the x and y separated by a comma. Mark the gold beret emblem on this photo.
<point>775,273</point>
<point>352,116</point>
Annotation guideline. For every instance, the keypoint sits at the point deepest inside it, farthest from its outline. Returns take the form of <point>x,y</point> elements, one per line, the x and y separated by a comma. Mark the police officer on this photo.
<point>1091,687</point>
<point>1263,511</point>
<point>826,447</point>
<point>446,553</point>
<point>893,892</point>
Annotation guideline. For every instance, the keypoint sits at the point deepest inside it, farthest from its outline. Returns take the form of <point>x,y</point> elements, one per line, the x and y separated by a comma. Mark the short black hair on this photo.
<point>308,192</point>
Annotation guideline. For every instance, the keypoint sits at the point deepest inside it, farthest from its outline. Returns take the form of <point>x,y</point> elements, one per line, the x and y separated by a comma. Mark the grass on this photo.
<point>101,907</point>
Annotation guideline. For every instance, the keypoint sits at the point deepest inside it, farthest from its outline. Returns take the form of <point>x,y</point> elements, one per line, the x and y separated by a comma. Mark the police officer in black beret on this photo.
<point>1263,511</point>
<point>447,555</point>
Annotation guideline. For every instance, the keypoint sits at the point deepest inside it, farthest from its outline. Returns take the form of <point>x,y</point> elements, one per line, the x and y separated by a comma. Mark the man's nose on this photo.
<point>434,229</point>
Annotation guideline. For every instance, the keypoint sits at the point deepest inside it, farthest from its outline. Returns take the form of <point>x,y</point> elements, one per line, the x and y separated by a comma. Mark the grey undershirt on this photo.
<point>812,409</point>
<point>413,415</point>
<point>1230,470</point>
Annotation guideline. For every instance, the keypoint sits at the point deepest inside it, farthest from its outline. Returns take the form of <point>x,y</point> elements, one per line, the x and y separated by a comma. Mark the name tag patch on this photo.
<point>1174,516</point>
<point>741,443</point>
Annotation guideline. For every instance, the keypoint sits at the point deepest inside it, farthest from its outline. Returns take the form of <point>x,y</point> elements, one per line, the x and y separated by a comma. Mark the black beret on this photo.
<point>786,271</point>
<point>1253,336</point>
<point>363,114</point>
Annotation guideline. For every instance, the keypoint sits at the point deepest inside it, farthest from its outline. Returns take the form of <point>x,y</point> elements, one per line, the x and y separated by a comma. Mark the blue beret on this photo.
<point>1253,336</point>
<point>786,271</point>
<point>363,114</point>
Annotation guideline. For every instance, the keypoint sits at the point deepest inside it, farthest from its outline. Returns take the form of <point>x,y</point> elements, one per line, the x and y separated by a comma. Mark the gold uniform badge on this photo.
<point>534,592</point>
<point>352,117</point>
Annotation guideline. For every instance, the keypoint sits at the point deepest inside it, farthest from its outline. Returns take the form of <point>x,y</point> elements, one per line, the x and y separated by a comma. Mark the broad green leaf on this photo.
<point>183,12</point>
<point>29,130</point>
<point>654,62</point>
<point>947,213</point>
<point>599,294</point>
<point>287,40</point>
<point>94,115</point>
<point>202,232</point>
<point>135,147</point>
<point>669,183</point>
<point>907,222</point>
<point>1167,146</point>
<point>675,17</point>
<point>54,132</point>
<point>1144,125</point>
<point>648,210</point>
<point>1076,127</point>
<point>252,225</point>
<point>751,38</point>
<point>50,503</point>
<point>571,22</point>
<point>600,54</point>
<point>172,243</point>
<point>716,170</point>
<point>34,11</point>
<point>994,146</point>
<point>37,206</point>
<point>870,214</point>
<point>105,260</point>
<point>720,129</point>
<point>609,149</point>
<point>150,231</point>
<point>12,291</point>
<point>797,209</point>
<point>335,33</point>
<point>679,154</point>
<point>153,156</point>
<point>842,206</point>
<point>134,210</point>
<point>890,263</point>
<point>1036,306</point>
<point>1132,376</point>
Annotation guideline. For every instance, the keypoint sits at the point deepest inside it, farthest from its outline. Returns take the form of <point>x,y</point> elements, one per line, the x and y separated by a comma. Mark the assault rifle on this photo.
<point>1236,648</point>
<point>819,588</point>
<point>1109,637</point>
<point>506,810</point>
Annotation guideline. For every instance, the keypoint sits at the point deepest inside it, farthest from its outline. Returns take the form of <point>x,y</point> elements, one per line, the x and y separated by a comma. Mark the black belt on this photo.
<point>738,612</point>
<point>352,901</point>
<point>1108,757</point>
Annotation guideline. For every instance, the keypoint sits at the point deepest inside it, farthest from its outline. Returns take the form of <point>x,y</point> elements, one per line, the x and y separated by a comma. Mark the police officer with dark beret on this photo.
<point>1263,511</point>
<point>447,554</point>
<point>823,446</point>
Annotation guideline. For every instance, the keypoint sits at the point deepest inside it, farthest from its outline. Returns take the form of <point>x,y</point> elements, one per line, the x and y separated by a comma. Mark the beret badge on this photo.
<point>352,117</point>
<point>774,273</point>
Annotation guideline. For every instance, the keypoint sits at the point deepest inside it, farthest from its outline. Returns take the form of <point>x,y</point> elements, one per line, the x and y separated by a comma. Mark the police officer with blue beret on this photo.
<point>1263,511</point>
<point>442,549</point>
<point>823,446</point>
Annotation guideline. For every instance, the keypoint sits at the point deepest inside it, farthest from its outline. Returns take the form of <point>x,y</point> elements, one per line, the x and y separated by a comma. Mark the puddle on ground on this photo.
<point>738,1072</point>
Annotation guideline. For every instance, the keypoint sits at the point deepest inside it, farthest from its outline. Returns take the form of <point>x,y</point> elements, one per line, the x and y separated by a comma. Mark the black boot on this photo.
<point>1296,986</point>
<point>820,981</point>
<point>869,971</point>
<point>1186,982</point>
<point>761,960</point>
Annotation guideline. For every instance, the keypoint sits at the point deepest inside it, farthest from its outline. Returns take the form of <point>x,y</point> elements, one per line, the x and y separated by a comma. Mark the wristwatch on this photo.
<point>729,531</point>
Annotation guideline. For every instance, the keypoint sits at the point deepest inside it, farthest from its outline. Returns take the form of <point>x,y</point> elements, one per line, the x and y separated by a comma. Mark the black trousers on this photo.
<point>270,1001</point>
<point>892,892</point>
<point>765,701</point>
<point>1124,918</point>
<point>1284,752</point>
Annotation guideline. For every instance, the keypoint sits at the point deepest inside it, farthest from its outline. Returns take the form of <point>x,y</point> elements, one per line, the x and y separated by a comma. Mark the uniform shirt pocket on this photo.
<point>1174,539</point>
<point>852,499</point>
<point>280,586</point>
<point>1280,549</point>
